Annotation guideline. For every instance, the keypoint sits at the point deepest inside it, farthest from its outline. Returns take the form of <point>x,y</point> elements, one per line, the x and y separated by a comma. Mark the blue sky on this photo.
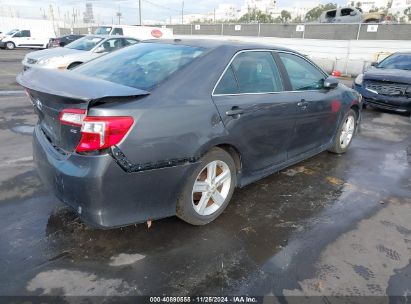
<point>106,9</point>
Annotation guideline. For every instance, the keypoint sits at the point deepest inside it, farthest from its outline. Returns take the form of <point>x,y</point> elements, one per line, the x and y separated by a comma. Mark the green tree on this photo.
<point>285,16</point>
<point>315,13</point>
<point>298,19</point>
<point>407,12</point>
<point>255,16</point>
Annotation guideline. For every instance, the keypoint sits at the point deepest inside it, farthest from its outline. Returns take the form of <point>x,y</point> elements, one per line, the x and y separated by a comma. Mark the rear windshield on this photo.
<point>141,66</point>
<point>84,44</point>
<point>396,61</point>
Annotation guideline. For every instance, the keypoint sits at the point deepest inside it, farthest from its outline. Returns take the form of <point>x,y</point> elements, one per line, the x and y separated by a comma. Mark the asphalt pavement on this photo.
<point>333,225</point>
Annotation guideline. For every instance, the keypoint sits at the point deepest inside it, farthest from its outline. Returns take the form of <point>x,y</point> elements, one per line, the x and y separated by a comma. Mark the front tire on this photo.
<point>10,45</point>
<point>345,133</point>
<point>209,189</point>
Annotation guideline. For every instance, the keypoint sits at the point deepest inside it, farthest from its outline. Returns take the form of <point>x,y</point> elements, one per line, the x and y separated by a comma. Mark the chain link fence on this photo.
<point>309,31</point>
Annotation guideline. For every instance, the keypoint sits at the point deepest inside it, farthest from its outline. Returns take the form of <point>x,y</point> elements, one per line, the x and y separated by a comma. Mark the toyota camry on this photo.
<point>173,127</point>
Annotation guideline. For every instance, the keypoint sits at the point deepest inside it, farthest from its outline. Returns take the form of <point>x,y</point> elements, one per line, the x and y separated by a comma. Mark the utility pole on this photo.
<point>182,13</point>
<point>139,12</point>
<point>118,14</point>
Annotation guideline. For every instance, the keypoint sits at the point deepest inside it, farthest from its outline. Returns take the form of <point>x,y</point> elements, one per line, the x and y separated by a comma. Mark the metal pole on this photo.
<point>359,30</point>
<point>139,12</point>
<point>182,13</point>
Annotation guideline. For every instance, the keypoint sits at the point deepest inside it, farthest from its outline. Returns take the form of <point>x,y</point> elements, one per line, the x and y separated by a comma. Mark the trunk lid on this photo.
<point>53,91</point>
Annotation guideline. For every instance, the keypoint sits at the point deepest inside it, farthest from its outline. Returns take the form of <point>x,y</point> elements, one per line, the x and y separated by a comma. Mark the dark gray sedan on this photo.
<point>172,127</point>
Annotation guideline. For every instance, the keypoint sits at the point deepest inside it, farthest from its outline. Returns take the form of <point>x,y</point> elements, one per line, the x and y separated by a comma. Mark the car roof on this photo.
<point>214,44</point>
<point>110,36</point>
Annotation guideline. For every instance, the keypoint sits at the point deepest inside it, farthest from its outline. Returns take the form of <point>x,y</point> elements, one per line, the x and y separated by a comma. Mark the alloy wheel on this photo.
<point>211,188</point>
<point>347,131</point>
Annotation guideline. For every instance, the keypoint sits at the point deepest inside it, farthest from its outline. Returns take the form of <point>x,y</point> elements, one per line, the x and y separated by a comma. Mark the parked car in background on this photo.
<point>8,33</point>
<point>26,39</point>
<point>342,15</point>
<point>387,85</point>
<point>136,31</point>
<point>171,128</point>
<point>77,52</point>
<point>63,40</point>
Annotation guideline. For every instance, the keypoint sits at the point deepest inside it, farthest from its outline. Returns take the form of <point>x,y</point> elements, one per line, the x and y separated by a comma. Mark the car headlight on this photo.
<point>359,79</point>
<point>48,60</point>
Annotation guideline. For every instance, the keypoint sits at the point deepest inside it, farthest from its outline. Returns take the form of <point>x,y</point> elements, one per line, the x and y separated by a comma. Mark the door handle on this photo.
<point>302,104</point>
<point>235,111</point>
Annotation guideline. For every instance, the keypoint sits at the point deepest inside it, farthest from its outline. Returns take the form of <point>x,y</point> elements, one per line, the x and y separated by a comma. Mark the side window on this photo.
<point>303,75</point>
<point>128,41</point>
<point>256,72</point>
<point>346,11</point>
<point>25,33</point>
<point>227,84</point>
<point>112,45</point>
<point>331,14</point>
<point>117,31</point>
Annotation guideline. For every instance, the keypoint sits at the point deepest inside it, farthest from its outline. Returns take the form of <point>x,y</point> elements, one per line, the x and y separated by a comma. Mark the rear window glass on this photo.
<point>141,66</point>
<point>396,61</point>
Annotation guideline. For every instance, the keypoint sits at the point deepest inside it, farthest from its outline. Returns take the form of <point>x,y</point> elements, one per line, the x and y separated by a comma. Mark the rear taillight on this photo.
<point>72,117</point>
<point>97,132</point>
<point>103,132</point>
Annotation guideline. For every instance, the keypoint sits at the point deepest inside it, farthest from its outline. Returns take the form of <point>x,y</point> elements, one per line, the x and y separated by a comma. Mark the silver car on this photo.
<point>77,52</point>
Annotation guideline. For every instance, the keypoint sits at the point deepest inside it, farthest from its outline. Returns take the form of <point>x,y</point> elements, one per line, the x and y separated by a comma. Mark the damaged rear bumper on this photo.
<point>103,193</point>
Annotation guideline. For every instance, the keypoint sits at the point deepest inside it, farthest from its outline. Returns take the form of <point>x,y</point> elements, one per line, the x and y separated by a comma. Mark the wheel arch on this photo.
<point>356,109</point>
<point>230,148</point>
<point>74,64</point>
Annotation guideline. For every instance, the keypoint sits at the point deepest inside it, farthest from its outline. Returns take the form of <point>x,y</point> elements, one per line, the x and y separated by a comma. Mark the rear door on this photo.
<point>317,109</point>
<point>255,110</point>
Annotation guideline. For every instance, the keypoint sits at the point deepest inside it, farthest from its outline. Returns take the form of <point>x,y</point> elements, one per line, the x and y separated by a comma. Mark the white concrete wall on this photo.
<point>348,56</point>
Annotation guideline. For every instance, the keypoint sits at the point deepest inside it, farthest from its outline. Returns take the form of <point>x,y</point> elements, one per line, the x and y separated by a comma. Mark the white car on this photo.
<point>136,31</point>
<point>25,39</point>
<point>77,52</point>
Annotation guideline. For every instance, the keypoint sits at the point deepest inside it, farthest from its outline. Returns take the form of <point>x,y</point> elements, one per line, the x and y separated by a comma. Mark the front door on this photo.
<point>256,112</point>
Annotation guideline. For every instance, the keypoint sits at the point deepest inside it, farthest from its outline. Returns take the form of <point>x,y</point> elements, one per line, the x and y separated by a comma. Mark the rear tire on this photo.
<point>209,189</point>
<point>10,45</point>
<point>345,133</point>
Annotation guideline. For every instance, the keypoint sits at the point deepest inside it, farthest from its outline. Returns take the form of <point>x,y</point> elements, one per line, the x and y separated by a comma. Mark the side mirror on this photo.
<point>353,13</point>
<point>100,49</point>
<point>374,64</point>
<point>331,83</point>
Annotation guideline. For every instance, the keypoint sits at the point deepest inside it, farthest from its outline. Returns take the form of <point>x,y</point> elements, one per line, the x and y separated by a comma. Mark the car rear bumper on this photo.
<point>397,104</point>
<point>102,193</point>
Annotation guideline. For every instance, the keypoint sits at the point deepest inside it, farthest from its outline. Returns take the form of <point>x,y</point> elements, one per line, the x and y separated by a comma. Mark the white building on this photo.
<point>226,11</point>
<point>399,6</point>
<point>299,9</point>
<point>262,5</point>
<point>367,5</point>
